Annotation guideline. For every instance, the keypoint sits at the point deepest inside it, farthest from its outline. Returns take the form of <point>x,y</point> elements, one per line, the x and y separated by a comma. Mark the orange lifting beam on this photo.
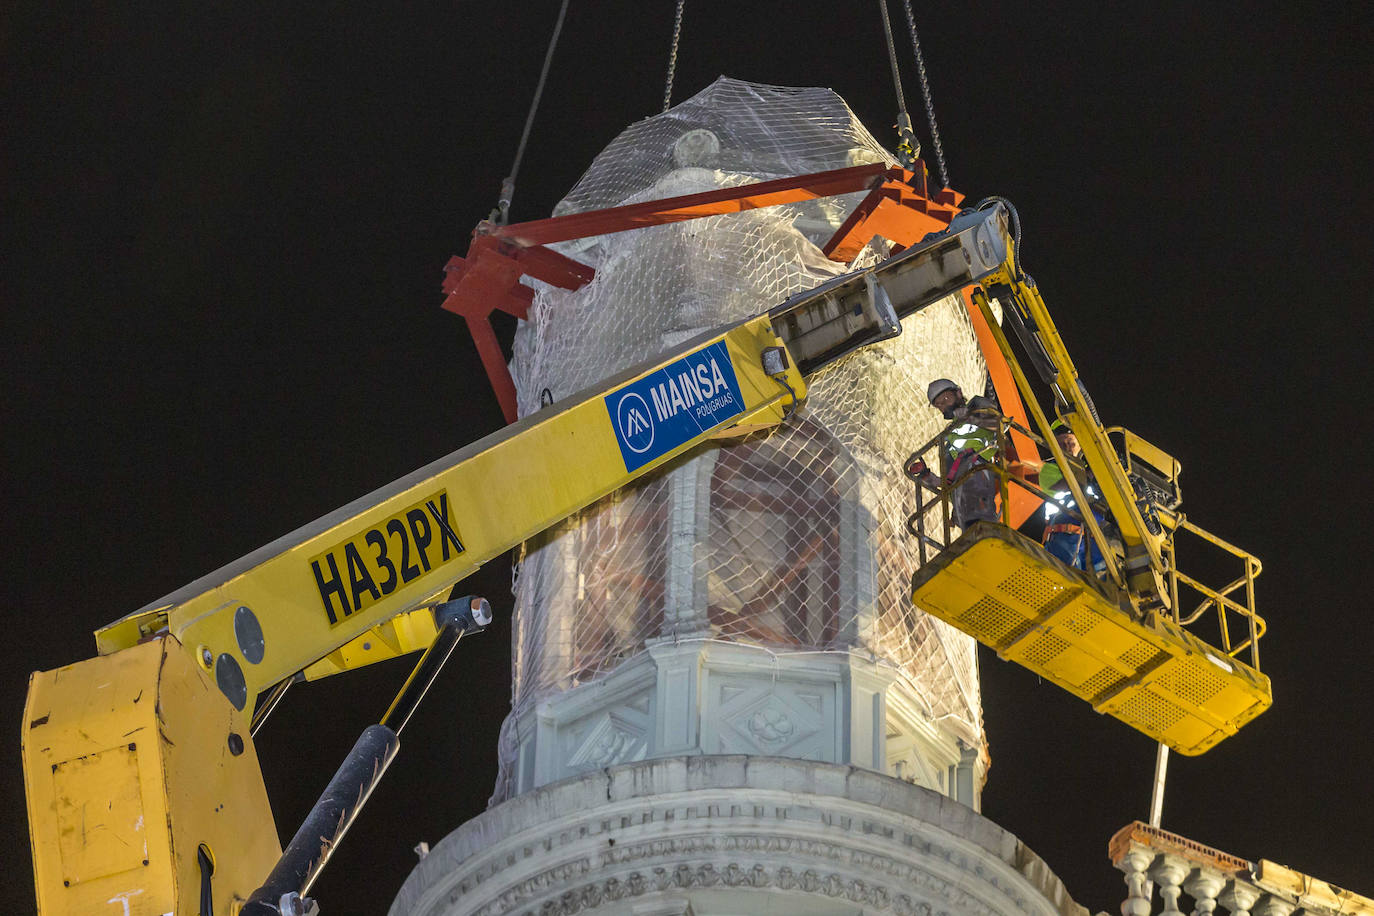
<point>899,207</point>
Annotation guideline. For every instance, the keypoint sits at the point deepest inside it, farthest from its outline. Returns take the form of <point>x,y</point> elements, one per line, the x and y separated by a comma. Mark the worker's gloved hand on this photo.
<point>916,468</point>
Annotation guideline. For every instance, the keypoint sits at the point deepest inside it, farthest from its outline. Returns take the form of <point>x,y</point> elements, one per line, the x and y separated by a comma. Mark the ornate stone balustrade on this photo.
<point>1154,859</point>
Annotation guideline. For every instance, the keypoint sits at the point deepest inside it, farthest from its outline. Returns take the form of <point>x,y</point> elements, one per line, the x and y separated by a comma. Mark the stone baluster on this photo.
<point>1168,872</point>
<point>1134,863</point>
<point>1203,886</point>
<point>1238,898</point>
<point>1269,905</point>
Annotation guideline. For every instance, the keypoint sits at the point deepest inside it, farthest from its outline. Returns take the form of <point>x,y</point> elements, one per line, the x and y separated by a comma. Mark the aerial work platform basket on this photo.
<point>1084,633</point>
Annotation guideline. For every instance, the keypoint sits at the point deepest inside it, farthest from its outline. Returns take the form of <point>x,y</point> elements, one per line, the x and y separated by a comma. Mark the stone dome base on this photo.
<point>732,835</point>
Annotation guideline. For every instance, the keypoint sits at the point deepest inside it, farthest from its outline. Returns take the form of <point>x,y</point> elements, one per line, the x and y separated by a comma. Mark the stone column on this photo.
<point>677,697</point>
<point>1168,872</point>
<point>689,500</point>
<point>1137,902</point>
<point>1203,886</point>
<point>1238,897</point>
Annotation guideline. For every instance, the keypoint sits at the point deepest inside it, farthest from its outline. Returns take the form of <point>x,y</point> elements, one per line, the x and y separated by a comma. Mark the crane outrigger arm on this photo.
<point>141,775</point>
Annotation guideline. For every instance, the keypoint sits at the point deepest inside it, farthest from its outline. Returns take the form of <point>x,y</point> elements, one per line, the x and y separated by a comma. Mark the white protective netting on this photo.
<point>793,540</point>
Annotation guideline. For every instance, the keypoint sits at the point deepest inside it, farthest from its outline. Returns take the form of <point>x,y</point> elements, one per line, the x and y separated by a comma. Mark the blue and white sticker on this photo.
<point>663,410</point>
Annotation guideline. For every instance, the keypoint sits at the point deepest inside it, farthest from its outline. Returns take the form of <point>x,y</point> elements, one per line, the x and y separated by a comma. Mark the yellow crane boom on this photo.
<point>142,781</point>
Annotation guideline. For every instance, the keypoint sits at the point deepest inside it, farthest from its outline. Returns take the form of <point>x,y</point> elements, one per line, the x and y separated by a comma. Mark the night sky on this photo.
<point>224,227</point>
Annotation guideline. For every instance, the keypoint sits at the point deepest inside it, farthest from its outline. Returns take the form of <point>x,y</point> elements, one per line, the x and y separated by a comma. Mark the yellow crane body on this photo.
<point>1078,631</point>
<point>133,763</point>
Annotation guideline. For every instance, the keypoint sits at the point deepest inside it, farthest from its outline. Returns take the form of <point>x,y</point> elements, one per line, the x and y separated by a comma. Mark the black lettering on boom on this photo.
<point>377,561</point>
<point>359,579</point>
<point>378,540</point>
<point>408,570</point>
<point>446,535</point>
<point>419,529</point>
<point>332,586</point>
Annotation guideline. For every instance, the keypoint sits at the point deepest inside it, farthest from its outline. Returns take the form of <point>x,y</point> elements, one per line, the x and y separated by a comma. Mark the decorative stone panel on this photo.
<point>755,715</point>
<point>696,696</point>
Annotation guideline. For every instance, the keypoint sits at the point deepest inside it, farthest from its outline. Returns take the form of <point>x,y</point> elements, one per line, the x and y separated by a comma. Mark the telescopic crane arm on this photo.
<point>142,779</point>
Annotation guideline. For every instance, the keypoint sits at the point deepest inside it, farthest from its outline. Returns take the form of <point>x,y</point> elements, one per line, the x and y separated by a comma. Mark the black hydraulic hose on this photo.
<point>1015,226</point>
<point>207,871</point>
<point>264,709</point>
<point>422,677</point>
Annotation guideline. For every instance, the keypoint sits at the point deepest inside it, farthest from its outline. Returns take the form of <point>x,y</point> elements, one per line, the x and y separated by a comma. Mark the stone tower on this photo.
<point>724,701</point>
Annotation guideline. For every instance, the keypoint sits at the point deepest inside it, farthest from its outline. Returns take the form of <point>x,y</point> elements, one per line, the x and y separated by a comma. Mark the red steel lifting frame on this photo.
<point>898,207</point>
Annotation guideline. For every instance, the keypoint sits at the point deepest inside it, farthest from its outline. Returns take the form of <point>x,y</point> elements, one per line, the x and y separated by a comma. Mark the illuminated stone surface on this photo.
<point>732,835</point>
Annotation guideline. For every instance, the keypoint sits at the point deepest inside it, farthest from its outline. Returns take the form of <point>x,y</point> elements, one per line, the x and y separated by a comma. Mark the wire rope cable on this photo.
<point>925,94</point>
<point>672,56</point>
<point>892,58</point>
<point>502,212</point>
<point>908,149</point>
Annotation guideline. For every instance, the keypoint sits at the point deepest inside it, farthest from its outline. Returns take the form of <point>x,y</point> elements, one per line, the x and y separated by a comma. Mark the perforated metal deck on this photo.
<point>1007,592</point>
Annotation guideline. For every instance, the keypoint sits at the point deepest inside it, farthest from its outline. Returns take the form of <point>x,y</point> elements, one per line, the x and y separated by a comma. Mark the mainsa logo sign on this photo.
<point>663,410</point>
<point>633,422</point>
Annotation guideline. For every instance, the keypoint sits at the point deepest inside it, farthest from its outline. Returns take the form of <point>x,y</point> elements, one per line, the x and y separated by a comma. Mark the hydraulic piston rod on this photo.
<point>283,893</point>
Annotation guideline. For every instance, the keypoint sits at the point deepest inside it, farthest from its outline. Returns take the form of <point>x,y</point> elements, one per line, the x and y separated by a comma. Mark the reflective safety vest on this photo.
<point>969,436</point>
<point>1050,476</point>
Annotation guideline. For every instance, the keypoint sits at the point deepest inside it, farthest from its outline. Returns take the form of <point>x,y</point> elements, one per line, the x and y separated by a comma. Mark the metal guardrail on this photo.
<point>1220,599</point>
<point>1234,599</point>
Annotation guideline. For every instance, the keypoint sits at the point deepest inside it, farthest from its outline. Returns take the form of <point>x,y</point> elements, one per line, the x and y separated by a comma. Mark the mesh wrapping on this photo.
<point>792,540</point>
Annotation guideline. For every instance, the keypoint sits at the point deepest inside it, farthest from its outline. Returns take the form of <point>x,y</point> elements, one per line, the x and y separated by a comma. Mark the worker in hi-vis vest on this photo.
<point>1066,537</point>
<point>970,443</point>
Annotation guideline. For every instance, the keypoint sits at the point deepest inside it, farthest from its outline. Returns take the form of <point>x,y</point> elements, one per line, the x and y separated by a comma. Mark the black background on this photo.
<point>224,226</point>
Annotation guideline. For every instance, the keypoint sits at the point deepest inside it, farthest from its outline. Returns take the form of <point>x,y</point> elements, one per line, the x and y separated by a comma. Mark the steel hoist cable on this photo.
<point>501,214</point>
<point>907,148</point>
<point>925,93</point>
<point>672,56</point>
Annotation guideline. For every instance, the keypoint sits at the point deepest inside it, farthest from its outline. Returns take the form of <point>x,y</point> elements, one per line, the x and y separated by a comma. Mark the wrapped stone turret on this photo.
<point>754,597</point>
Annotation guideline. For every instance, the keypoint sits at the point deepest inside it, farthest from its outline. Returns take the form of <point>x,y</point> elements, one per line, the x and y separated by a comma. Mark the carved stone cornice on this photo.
<point>692,827</point>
